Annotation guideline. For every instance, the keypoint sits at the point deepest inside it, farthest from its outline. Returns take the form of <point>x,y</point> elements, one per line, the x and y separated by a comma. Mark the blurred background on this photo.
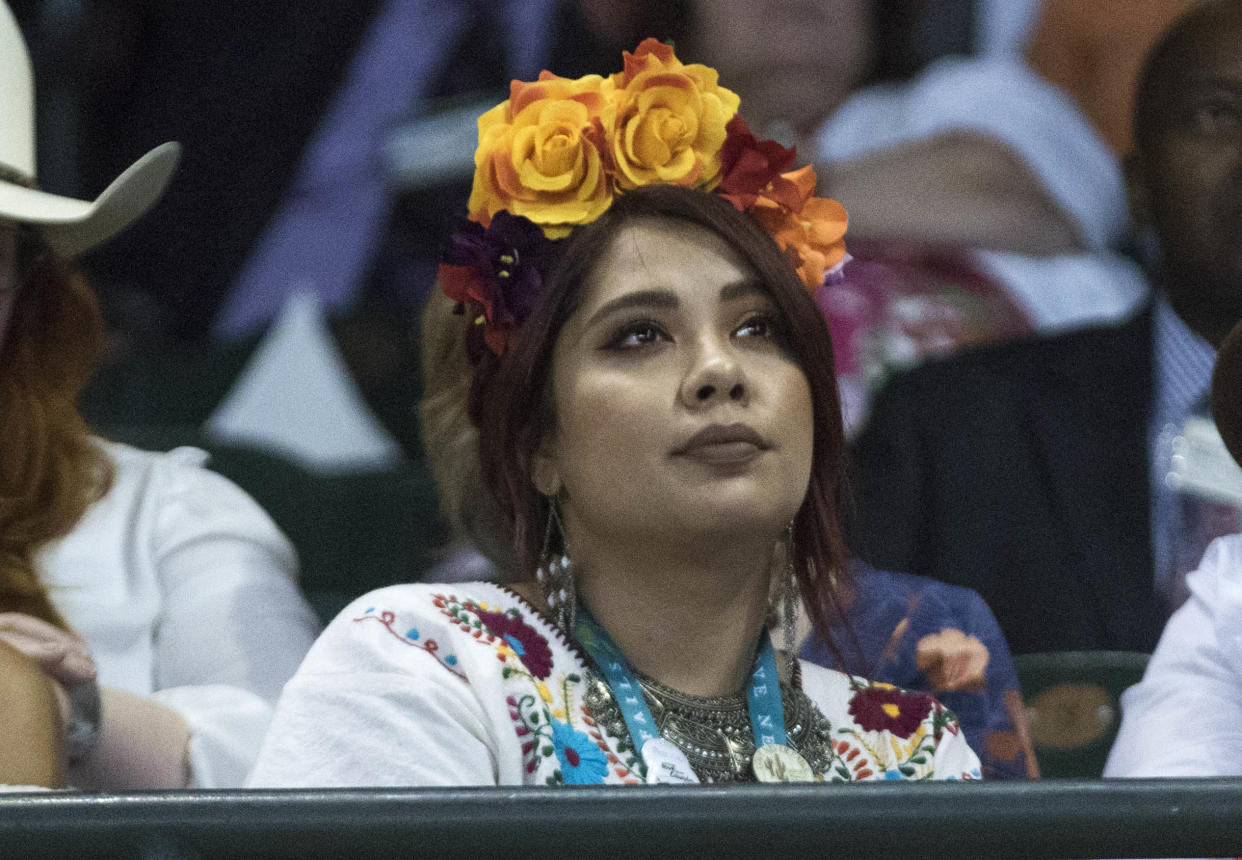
<point>267,310</point>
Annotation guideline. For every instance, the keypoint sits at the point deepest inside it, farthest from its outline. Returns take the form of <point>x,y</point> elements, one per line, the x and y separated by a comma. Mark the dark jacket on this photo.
<point>1021,471</point>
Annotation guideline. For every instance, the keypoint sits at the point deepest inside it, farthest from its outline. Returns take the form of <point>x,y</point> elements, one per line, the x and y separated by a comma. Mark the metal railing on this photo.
<point>1069,818</point>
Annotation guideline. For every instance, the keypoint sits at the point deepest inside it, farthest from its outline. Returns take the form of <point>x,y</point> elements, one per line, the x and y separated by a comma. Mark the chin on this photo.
<point>737,518</point>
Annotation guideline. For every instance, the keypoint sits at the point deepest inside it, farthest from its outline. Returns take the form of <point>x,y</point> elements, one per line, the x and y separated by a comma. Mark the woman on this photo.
<point>148,609</point>
<point>658,420</point>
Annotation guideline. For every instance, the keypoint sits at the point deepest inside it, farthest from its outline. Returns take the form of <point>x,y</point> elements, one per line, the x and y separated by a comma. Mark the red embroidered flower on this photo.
<point>881,707</point>
<point>531,648</point>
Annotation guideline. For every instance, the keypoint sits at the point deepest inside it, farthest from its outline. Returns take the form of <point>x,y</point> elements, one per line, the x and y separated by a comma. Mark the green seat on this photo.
<point>1073,699</point>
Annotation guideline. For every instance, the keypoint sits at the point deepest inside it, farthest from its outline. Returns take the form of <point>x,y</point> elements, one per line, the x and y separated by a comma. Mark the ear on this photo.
<point>543,471</point>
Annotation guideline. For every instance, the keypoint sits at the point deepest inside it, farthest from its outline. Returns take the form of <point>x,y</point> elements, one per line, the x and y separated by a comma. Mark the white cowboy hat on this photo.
<point>69,226</point>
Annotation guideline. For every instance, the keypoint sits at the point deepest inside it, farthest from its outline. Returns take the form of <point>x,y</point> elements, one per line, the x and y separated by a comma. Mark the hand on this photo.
<point>63,655</point>
<point>951,660</point>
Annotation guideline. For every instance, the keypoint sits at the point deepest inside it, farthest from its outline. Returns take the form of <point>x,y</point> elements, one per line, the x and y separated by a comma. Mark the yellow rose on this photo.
<point>541,155</point>
<point>665,121</point>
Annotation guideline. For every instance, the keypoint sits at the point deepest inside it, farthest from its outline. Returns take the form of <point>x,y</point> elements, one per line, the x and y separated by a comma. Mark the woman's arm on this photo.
<point>136,743</point>
<point>31,746</point>
<point>141,744</point>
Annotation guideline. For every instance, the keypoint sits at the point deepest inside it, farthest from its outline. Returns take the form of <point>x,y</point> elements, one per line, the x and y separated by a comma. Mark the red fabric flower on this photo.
<point>751,166</point>
<point>884,708</point>
<point>532,649</point>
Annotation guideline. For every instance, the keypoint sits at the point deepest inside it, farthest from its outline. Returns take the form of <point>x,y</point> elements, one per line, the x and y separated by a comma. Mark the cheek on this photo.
<point>797,397</point>
<point>605,422</point>
<point>1191,174</point>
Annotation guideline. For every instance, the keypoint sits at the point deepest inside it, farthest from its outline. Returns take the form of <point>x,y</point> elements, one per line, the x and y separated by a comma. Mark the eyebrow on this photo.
<point>1196,84</point>
<point>668,299</point>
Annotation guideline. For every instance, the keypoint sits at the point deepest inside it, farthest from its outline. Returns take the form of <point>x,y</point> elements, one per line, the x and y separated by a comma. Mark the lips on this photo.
<point>724,444</point>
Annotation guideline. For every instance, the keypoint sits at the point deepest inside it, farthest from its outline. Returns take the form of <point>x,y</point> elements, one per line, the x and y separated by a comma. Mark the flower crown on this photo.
<point>555,154</point>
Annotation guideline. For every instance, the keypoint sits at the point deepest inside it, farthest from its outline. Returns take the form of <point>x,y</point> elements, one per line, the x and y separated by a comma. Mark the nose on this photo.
<point>716,376</point>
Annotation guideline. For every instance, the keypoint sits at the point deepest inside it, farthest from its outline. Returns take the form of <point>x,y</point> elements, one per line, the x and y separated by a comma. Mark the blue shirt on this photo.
<point>1182,366</point>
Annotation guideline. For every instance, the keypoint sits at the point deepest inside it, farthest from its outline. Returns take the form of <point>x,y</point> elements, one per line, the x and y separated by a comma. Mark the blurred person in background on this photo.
<point>984,205</point>
<point>1183,718</point>
<point>1035,473</point>
<point>148,608</point>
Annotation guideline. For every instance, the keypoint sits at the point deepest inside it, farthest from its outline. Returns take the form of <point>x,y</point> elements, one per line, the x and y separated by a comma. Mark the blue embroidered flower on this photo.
<point>582,762</point>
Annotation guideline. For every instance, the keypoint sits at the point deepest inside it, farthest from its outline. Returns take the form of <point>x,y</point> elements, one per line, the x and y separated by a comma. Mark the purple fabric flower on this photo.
<point>496,272</point>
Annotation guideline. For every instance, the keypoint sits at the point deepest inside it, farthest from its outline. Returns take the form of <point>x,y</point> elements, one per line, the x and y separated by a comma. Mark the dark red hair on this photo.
<point>511,401</point>
<point>50,468</point>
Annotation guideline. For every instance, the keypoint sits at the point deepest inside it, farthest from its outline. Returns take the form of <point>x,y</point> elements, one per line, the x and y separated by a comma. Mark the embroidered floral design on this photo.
<point>527,644</point>
<point>561,743</point>
<point>582,761</point>
<point>528,661</point>
<point>412,638</point>
<point>884,708</point>
<point>852,762</point>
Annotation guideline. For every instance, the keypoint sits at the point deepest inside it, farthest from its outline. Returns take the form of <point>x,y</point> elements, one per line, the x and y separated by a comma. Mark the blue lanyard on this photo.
<point>763,695</point>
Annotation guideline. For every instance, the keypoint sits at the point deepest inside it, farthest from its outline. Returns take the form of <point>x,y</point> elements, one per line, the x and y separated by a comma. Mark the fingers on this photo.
<point>61,654</point>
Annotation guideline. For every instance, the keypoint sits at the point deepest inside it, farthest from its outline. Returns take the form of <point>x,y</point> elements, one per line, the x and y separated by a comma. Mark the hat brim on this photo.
<point>1227,392</point>
<point>72,226</point>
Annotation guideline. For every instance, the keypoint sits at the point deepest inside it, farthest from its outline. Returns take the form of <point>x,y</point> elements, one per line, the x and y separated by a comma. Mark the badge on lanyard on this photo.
<point>666,763</point>
<point>779,763</point>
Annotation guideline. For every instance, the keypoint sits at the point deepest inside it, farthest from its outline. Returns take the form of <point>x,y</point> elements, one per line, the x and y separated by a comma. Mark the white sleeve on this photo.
<point>366,711</point>
<point>954,757</point>
<point>1185,717</point>
<point>233,626</point>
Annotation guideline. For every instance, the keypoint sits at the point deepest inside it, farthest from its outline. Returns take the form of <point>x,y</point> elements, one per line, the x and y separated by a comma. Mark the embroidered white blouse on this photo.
<point>465,684</point>
<point>186,592</point>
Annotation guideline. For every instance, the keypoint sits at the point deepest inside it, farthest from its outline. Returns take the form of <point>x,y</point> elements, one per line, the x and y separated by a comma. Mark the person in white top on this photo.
<point>149,612</point>
<point>1185,717</point>
<point>658,421</point>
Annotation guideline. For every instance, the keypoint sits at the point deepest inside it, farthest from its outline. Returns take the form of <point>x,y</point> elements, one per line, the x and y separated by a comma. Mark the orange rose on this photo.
<point>666,121</point>
<point>810,230</point>
<point>540,155</point>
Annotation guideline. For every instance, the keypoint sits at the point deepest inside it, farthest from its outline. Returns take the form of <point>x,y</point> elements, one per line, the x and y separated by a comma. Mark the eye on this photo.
<point>765,326</point>
<point>1216,114</point>
<point>637,334</point>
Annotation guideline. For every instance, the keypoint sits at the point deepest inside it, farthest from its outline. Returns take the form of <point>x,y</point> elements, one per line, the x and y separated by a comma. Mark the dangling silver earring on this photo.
<point>555,575</point>
<point>789,609</point>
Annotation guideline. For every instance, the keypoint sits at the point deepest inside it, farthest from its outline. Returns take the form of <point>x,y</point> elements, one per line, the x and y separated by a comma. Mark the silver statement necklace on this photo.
<point>714,732</point>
